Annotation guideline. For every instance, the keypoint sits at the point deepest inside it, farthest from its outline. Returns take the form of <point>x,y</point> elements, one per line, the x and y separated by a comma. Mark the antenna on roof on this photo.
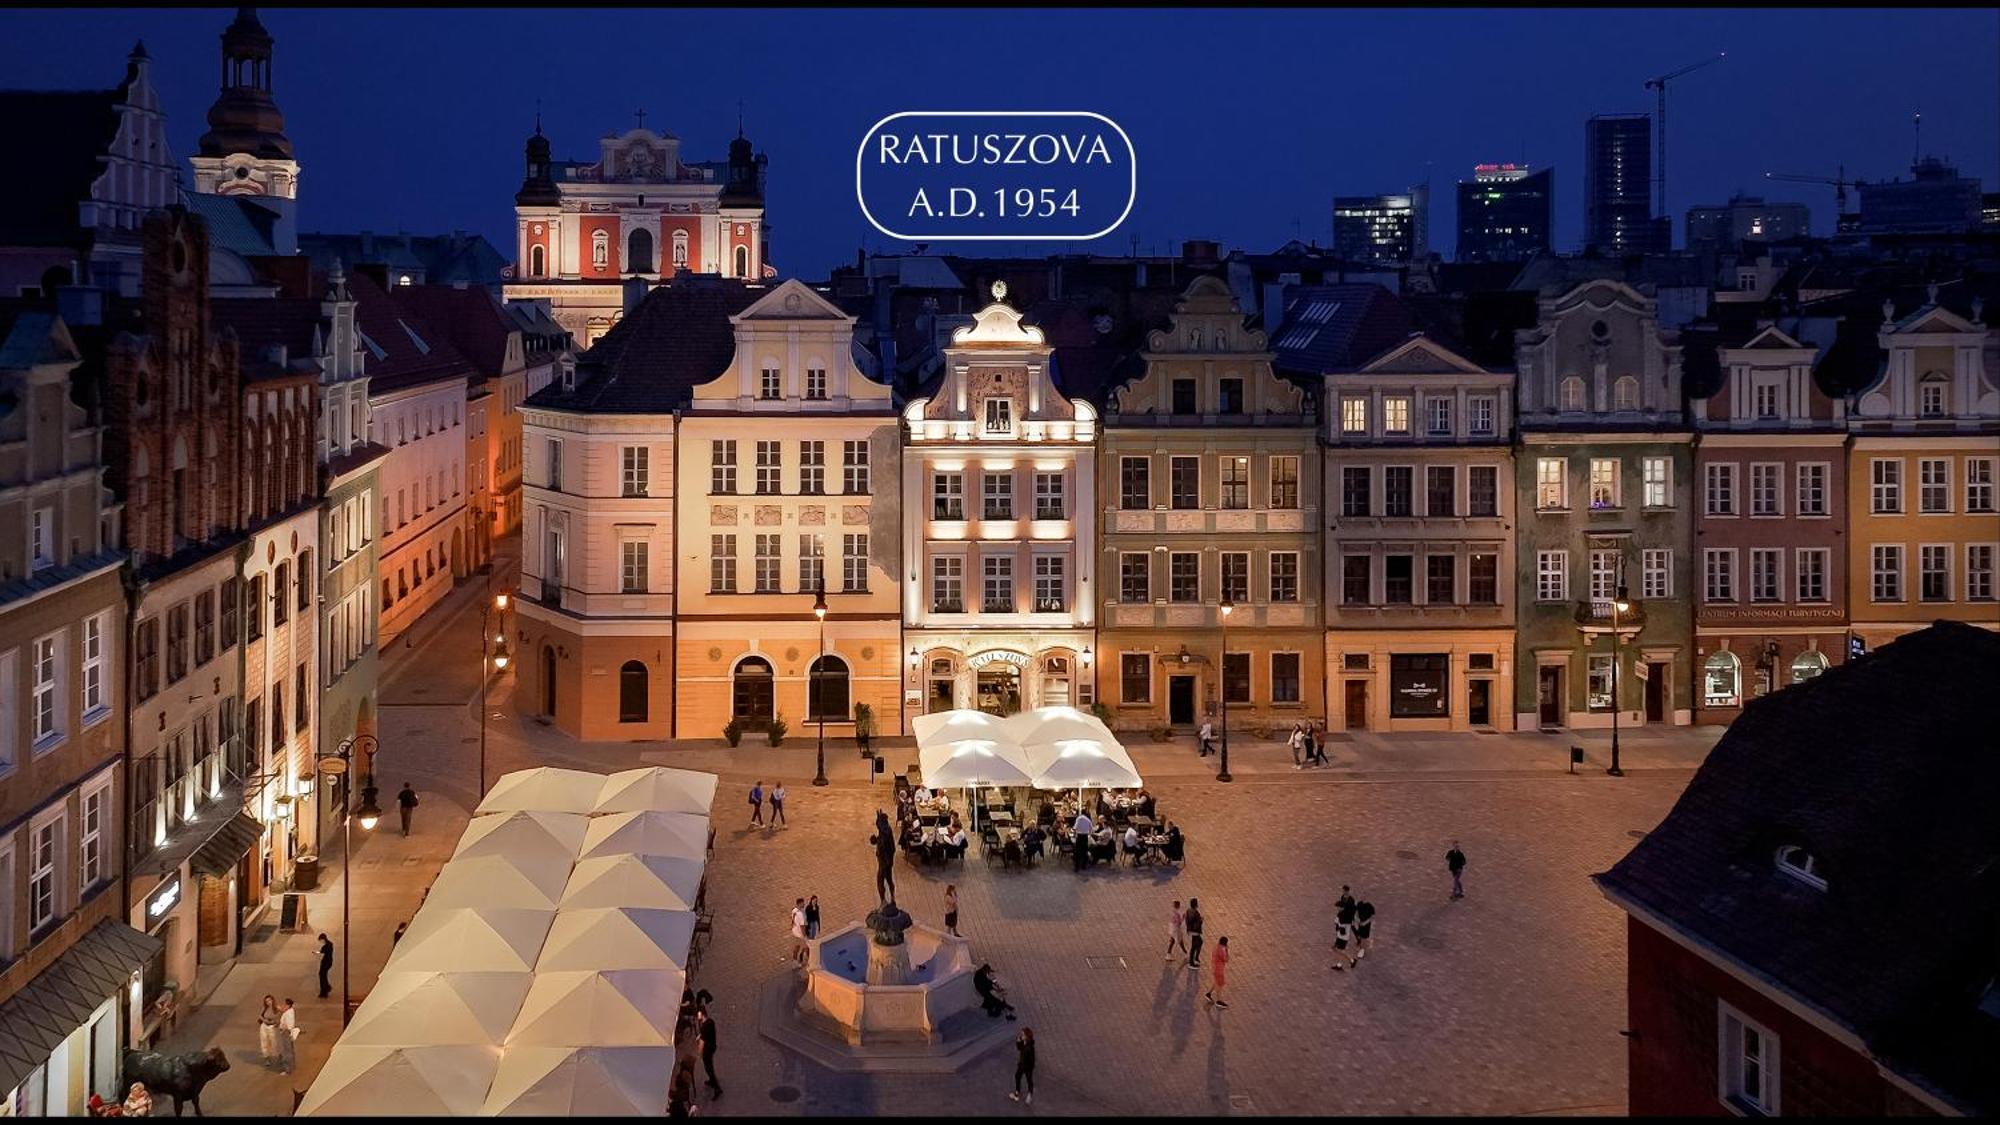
<point>1917,141</point>
<point>538,117</point>
<point>739,117</point>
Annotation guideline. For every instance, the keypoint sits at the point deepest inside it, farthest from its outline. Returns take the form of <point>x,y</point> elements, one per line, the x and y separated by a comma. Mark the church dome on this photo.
<point>245,118</point>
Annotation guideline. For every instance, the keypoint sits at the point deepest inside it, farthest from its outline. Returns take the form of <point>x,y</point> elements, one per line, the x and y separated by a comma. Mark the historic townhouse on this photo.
<point>1420,542</point>
<point>593,628</point>
<point>1214,497</point>
<point>997,601</point>
<point>1605,460</point>
<point>790,484</point>
<point>1923,525</point>
<point>1769,538</point>
<point>66,955</point>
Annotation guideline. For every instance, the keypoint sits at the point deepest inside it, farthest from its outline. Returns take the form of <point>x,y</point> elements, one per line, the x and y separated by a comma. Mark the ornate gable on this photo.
<point>793,300</point>
<point>1421,355</point>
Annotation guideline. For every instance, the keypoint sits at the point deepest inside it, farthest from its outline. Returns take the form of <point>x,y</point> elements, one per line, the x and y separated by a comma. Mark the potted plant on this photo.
<point>777,729</point>
<point>1102,712</point>
<point>733,730</point>
<point>864,726</point>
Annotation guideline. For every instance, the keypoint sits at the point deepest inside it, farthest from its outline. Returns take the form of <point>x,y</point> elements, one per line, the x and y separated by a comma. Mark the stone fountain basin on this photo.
<point>938,987</point>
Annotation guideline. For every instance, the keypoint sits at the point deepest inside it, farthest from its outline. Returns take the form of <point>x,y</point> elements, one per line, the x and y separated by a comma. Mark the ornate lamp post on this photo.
<point>497,654</point>
<point>817,679</point>
<point>1619,605</point>
<point>1223,611</point>
<point>338,763</point>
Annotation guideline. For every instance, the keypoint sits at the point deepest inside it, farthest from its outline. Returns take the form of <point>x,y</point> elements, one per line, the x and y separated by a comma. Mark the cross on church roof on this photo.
<point>641,114</point>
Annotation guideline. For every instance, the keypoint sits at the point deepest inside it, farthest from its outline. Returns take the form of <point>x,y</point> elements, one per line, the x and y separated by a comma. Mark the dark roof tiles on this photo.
<point>650,361</point>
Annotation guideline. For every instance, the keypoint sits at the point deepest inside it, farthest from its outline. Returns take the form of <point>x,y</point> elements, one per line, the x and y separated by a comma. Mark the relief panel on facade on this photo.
<point>769,515</point>
<point>812,515</point>
<point>1236,521</point>
<point>853,515</point>
<point>1131,521</point>
<point>722,515</point>
<point>1186,521</point>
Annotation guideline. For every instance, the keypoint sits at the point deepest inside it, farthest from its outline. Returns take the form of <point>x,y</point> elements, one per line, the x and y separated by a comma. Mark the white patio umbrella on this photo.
<point>645,833</point>
<point>543,789</point>
<point>619,938</point>
<point>1081,763</point>
<point>529,881</point>
<point>1051,724</point>
<point>448,1081</point>
<point>621,1008</point>
<point>522,832</point>
<point>657,789</point>
<point>946,726</point>
<point>471,939</point>
<point>663,882</point>
<point>438,1009</point>
<point>581,1082</point>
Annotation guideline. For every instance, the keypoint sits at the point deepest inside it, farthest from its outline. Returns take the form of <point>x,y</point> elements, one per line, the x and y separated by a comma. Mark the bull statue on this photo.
<point>178,1076</point>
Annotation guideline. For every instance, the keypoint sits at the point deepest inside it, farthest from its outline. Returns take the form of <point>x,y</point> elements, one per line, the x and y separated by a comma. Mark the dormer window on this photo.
<point>1572,394</point>
<point>769,383</point>
<point>1932,397</point>
<point>1625,393</point>
<point>999,416</point>
<point>1764,398</point>
<point>1800,864</point>
<point>816,383</point>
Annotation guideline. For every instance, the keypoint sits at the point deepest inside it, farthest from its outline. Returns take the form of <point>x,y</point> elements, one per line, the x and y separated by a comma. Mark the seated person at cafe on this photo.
<point>1176,846</point>
<point>1031,840</point>
<point>1131,840</point>
<point>1046,815</point>
<point>1012,851</point>
<point>957,842</point>
<point>1146,804</point>
<point>923,795</point>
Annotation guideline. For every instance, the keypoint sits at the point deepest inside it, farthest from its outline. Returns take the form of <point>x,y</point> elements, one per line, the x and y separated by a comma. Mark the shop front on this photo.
<point>1441,681</point>
<point>1739,665</point>
<point>65,1032</point>
<point>1001,675</point>
<point>187,894</point>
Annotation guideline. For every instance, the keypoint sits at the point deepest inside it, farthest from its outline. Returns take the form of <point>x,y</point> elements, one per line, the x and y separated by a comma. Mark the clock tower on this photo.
<point>245,151</point>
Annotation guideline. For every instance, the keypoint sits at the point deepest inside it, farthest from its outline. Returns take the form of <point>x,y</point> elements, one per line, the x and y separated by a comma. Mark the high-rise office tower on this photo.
<point>1618,186</point>
<point>1383,228</point>
<point>1505,213</point>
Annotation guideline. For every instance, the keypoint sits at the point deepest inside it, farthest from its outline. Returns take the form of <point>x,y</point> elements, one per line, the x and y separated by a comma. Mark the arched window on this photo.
<point>632,688</point>
<point>537,262</point>
<point>680,249</point>
<point>600,248</point>
<point>1807,665</point>
<point>1722,680</point>
<point>1572,393</point>
<point>1625,393</point>
<point>1055,682</point>
<point>639,252</point>
<point>742,261</point>
<point>827,692</point>
<point>752,698</point>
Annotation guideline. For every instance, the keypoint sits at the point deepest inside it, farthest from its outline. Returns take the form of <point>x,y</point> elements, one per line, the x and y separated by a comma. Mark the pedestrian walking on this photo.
<point>1193,921</point>
<point>138,1101</point>
<point>705,1027</point>
<point>325,966</point>
<point>778,805</point>
<point>1454,861</point>
<point>799,932</point>
<point>1024,1064</point>
<point>267,1031</point>
<point>288,1037</point>
<point>680,1095</point>
<point>1176,932</point>
<point>1345,902</point>
<point>1217,964</point>
<point>757,805</point>
<point>1364,923</point>
<point>951,909</point>
<point>1343,936</point>
<point>884,840</point>
<point>1298,744</point>
<point>405,801</point>
<point>812,917</point>
<point>1207,738</point>
<point>1315,745</point>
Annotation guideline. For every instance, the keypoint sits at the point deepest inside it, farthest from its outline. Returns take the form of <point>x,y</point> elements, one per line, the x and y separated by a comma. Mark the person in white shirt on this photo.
<point>1131,837</point>
<point>1207,738</point>
<point>288,1037</point>
<point>1084,826</point>
<point>1298,744</point>
<point>923,795</point>
<point>799,946</point>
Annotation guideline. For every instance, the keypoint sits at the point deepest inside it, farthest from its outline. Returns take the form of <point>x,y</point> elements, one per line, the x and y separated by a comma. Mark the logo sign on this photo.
<point>164,899</point>
<point>996,176</point>
<point>1856,648</point>
<point>1640,670</point>
<point>997,655</point>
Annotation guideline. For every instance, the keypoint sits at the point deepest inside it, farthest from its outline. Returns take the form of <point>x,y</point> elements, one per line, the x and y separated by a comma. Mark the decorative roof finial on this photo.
<point>999,290</point>
<point>640,113</point>
<point>1930,292</point>
<point>739,117</point>
<point>538,117</point>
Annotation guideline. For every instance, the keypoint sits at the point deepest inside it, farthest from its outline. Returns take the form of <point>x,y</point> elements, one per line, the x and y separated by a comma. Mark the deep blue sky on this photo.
<point>1244,120</point>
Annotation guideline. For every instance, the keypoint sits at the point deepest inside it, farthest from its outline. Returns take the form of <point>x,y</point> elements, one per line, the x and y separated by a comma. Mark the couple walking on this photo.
<point>278,1034</point>
<point>1353,923</point>
<point>1184,933</point>
<point>1308,745</point>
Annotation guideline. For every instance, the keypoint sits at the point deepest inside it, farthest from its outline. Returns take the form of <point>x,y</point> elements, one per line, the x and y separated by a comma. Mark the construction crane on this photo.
<point>1839,181</point>
<point>1660,122</point>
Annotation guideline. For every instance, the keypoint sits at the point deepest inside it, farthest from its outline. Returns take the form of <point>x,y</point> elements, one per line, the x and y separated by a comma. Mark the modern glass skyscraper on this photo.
<point>1618,185</point>
<point>1505,213</point>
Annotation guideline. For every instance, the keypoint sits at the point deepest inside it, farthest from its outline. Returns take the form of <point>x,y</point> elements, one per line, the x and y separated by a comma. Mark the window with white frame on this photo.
<point>1625,393</point>
<point>1933,484</point>
<point>1482,490</point>
<point>1604,482</point>
<point>1285,677</point>
<point>1885,484</point>
<point>1396,414</point>
<point>632,566</point>
<point>1284,576</point>
<point>1398,488</point>
<point>94,700</point>
<point>1885,572</point>
<point>854,467</point>
<point>948,584</point>
<point>41,539</point>
<point>1721,680</point>
<point>1135,483</point>
<point>1440,491</point>
<point>768,479</point>
<point>1719,489</point>
<point>1135,577</point>
<point>1656,475</point>
<point>1552,576</point>
<point>1764,489</point>
<point>854,563</point>
<point>1598,688</point>
<point>1765,576</point>
<point>1933,399</point>
<point>722,564</point>
<point>948,496</point>
<point>1603,574</point>
<point>812,561</point>
<point>1747,1068</point>
<point>1718,567</point>
<point>997,590</point>
<point>1236,576</point>
<point>1979,484</point>
<point>1184,576</point>
<point>1811,563</point>
<point>1135,677</point>
<point>1051,590</point>
<point>1480,415</point>
<point>1656,573</point>
<point>1482,578</point>
<point>1235,487</point>
<point>816,384</point>
<point>1551,484</point>
<point>812,468</point>
<point>1355,489</point>
<point>1050,500</point>
<point>91,849</point>
<point>1184,483</point>
<point>44,846</point>
<point>1438,410</point>
<point>633,475</point>
<point>45,701</point>
<point>996,492</point>
<point>1572,394</point>
<point>765,563</point>
<point>999,416</point>
<point>1284,482</point>
<point>1979,572</point>
<point>1764,399</point>
<point>770,383</point>
<point>1811,499</point>
<point>722,467</point>
<point>1353,415</point>
<point>1934,573</point>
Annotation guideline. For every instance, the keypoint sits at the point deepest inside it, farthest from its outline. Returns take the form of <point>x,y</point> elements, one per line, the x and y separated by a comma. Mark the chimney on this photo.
<point>1274,305</point>
<point>1200,252</point>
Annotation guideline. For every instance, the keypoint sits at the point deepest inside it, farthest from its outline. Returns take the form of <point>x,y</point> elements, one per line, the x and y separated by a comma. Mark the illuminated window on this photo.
<point>1396,415</point>
<point>1354,415</point>
<point>1551,484</point>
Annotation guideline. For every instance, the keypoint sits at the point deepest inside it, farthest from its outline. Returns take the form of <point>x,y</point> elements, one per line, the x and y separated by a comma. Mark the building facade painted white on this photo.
<point>422,518</point>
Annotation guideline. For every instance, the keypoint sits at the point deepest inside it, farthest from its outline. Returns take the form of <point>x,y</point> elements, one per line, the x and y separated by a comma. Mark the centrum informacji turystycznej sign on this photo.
<point>999,175</point>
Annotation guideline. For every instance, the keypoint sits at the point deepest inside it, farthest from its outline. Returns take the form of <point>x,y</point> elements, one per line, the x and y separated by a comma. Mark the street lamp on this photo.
<point>337,764</point>
<point>1619,605</point>
<point>1227,607</point>
<point>498,655</point>
<point>817,678</point>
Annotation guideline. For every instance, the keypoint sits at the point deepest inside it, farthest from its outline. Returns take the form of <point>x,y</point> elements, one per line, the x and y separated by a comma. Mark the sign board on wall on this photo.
<point>162,901</point>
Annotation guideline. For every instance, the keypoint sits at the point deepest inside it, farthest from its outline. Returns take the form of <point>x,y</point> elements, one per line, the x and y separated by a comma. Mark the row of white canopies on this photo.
<point>543,974</point>
<point>1047,748</point>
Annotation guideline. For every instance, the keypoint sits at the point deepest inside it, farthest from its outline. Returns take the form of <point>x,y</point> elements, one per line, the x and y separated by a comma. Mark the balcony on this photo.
<point>1595,613</point>
<point>952,606</point>
<point>551,594</point>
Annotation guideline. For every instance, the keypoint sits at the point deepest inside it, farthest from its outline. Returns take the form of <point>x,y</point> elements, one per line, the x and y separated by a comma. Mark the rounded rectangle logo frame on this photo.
<point>861,195</point>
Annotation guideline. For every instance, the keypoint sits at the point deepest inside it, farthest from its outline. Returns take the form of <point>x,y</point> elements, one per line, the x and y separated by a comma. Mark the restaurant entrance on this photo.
<point>1180,700</point>
<point>1549,694</point>
<point>999,689</point>
<point>1357,705</point>
<point>1478,704</point>
<point>1656,693</point>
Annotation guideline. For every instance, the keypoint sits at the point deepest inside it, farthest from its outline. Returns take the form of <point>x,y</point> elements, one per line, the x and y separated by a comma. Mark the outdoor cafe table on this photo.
<point>1142,823</point>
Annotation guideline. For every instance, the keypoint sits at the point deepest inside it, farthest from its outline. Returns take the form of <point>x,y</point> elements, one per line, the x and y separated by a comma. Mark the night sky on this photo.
<point>1246,122</point>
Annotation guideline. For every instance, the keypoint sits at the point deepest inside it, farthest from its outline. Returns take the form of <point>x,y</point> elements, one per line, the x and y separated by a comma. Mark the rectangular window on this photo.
<point>1603,575</point>
<point>1811,499</point>
<point>854,468</point>
<point>633,475</point>
<point>1439,413</point>
<point>555,452</point>
<point>764,564</point>
<point>1765,490</point>
<point>1399,579</point>
<point>1885,492</point>
<point>90,857</point>
<point>1440,579</point>
<point>854,563</point>
<point>812,561</point>
<point>1812,566</point>
<point>1747,1065</point>
<point>947,584</point>
<point>1551,485</point>
<point>1184,483</point>
<point>722,564</point>
<point>146,658</point>
<point>1934,573</point>
<point>1552,576</point>
<point>1230,394</point>
<point>1354,577</point>
<point>1285,677</point>
<point>998,593</point>
<point>232,612</point>
<point>1284,482</point>
<point>204,627</point>
<point>1886,572</point>
<point>45,659</point>
<point>1656,573</point>
<point>999,416</point>
<point>1933,485</point>
<point>947,496</point>
<point>302,581</point>
<point>1184,576</point>
<point>1764,399</point>
<point>1284,576</point>
<point>1355,486</point>
<point>770,383</point>
<point>1440,491</point>
<point>1657,474</point>
<point>1236,677</point>
<point>1235,482</point>
<point>1236,576</point>
<point>41,539</point>
<point>93,664</point>
<point>43,841</point>
<point>1979,572</point>
<point>1051,592</point>
<point>1482,415</point>
<point>1482,490</point>
<point>768,483</point>
<point>1597,692</point>
<point>1482,576</point>
<point>1719,574</point>
<point>1719,489</point>
<point>816,384</point>
<point>1398,483</point>
<point>1135,677</point>
<point>722,468</point>
<point>997,490</point>
<point>1604,482</point>
<point>1183,397</point>
<point>1135,577</point>
<point>1353,415</point>
<point>1135,483</point>
<point>1764,574</point>
<point>1396,414</point>
<point>812,468</point>
<point>177,641</point>
<point>632,566</point>
<point>302,713</point>
<point>1979,484</point>
<point>1051,503</point>
<point>1931,398</point>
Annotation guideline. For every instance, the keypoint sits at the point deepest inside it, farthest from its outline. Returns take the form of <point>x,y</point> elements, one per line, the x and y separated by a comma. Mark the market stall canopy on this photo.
<point>449,1081</point>
<point>662,882</point>
<point>581,1082</point>
<point>657,789</point>
<point>471,939</point>
<point>645,833</point>
<point>527,881</point>
<point>631,1007</point>
<point>417,1009</point>
<point>523,833</point>
<point>620,938</point>
<point>544,789</point>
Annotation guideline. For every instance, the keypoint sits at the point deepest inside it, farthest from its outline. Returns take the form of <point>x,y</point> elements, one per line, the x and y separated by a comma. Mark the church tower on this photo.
<point>245,151</point>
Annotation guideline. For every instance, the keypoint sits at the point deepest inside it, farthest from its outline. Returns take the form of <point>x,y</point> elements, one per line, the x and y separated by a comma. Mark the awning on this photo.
<point>227,847</point>
<point>35,1020</point>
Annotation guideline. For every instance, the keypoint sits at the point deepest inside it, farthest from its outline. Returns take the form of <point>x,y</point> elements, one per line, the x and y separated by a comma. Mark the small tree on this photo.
<point>733,730</point>
<point>864,725</point>
<point>777,728</point>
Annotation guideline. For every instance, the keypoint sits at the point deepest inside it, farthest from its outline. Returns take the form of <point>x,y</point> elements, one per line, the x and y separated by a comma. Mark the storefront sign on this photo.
<point>1419,685</point>
<point>1000,655</point>
<point>163,900</point>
